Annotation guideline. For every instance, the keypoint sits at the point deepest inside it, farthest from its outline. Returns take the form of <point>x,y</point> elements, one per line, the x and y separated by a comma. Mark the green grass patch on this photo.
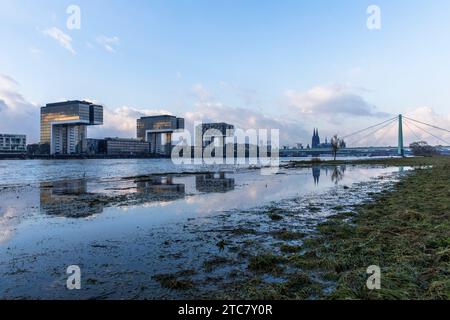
<point>265,263</point>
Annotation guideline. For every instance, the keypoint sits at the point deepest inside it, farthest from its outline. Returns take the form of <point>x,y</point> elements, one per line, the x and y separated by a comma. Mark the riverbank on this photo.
<point>394,161</point>
<point>21,156</point>
<point>406,232</point>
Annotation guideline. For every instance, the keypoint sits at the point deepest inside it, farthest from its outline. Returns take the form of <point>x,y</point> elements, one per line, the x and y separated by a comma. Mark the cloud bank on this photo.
<point>332,100</point>
<point>17,115</point>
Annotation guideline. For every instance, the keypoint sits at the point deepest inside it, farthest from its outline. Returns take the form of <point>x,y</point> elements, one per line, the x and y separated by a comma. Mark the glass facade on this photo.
<point>63,125</point>
<point>157,130</point>
<point>208,132</point>
<point>158,123</point>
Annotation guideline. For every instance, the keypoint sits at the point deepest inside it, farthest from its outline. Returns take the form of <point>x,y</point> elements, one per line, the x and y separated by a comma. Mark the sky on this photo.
<point>291,65</point>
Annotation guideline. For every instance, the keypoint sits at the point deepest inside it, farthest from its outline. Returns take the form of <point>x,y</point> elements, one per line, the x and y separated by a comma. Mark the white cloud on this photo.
<point>210,109</point>
<point>108,43</point>
<point>62,38</point>
<point>17,115</point>
<point>121,122</point>
<point>332,100</point>
<point>427,115</point>
<point>290,130</point>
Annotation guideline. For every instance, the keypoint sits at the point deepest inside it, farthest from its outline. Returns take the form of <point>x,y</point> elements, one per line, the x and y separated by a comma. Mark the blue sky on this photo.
<point>288,64</point>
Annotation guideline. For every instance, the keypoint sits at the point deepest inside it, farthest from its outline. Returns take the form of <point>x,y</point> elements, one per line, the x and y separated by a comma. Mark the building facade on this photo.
<point>211,132</point>
<point>117,146</point>
<point>157,131</point>
<point>13,143</point>
<point>64,125</point>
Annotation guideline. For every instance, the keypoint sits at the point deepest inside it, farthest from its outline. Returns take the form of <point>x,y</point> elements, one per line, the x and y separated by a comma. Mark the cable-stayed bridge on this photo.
<point>418,130</point>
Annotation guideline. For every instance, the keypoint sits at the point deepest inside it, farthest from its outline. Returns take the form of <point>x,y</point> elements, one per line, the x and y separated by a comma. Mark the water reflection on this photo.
<point>68,198</point>
<point>338,174</point>
<point>316,174</point>
<point>79,199</point>
<point>214,183</point>
<point>162,185</point>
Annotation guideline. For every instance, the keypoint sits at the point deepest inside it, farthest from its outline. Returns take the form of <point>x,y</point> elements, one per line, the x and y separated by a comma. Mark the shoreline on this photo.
<point>404,231</point>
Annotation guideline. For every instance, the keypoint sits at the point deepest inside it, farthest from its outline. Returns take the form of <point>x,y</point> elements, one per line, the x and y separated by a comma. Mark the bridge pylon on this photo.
<point>401,149</point>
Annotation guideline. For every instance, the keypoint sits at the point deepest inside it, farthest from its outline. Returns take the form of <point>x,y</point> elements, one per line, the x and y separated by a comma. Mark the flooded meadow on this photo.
<point>146,229</point>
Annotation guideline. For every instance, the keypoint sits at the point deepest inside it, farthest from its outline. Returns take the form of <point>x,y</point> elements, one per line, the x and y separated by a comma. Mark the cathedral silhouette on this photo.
<point>316,141</point>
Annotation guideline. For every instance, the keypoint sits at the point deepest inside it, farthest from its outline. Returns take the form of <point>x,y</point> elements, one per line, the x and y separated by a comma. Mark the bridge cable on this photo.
<point>391,122</point>
<point>385,132</point>
<point>406,123</point>
<point>368,128</point>
<point>430,133</point>
<point>430,125</point>
<point>373,132</point>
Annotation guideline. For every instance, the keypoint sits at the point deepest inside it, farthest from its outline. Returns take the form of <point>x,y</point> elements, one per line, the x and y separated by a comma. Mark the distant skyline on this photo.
<point>292,65</point>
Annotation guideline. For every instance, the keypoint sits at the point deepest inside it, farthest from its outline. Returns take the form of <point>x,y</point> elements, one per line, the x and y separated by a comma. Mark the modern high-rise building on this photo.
<point>64,125</point>
<point>158,130</point>
<point>13,143</point>
<point>210,132</point>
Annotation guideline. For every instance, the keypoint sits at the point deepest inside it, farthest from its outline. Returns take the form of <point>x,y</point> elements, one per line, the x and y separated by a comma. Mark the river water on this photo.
<point>129,223</point>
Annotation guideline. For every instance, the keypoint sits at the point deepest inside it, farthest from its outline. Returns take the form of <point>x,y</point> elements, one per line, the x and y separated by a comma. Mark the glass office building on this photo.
<point>64,125</point>
<point>158,130</point>
<point>209,132</point>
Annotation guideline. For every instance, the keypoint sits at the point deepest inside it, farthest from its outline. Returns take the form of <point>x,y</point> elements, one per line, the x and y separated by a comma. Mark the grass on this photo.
<point>215,262</point>
<point>285,248</point>
<point>406,232</point>
<point>414,161</point>
<point>265,263</point>
<point>288,235</point>
<point>171,281</point>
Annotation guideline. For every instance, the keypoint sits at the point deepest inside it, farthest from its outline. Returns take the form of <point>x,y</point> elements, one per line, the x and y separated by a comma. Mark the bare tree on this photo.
<point>336,144</point>
<point>423,149</point>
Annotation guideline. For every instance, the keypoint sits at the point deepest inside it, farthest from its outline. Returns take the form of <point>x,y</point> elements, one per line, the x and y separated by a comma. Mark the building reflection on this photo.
<point>316,174</point>
<point>211,182</point>
<point>68,198</point>
<point>77,199</point>
<point>160,187</point>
